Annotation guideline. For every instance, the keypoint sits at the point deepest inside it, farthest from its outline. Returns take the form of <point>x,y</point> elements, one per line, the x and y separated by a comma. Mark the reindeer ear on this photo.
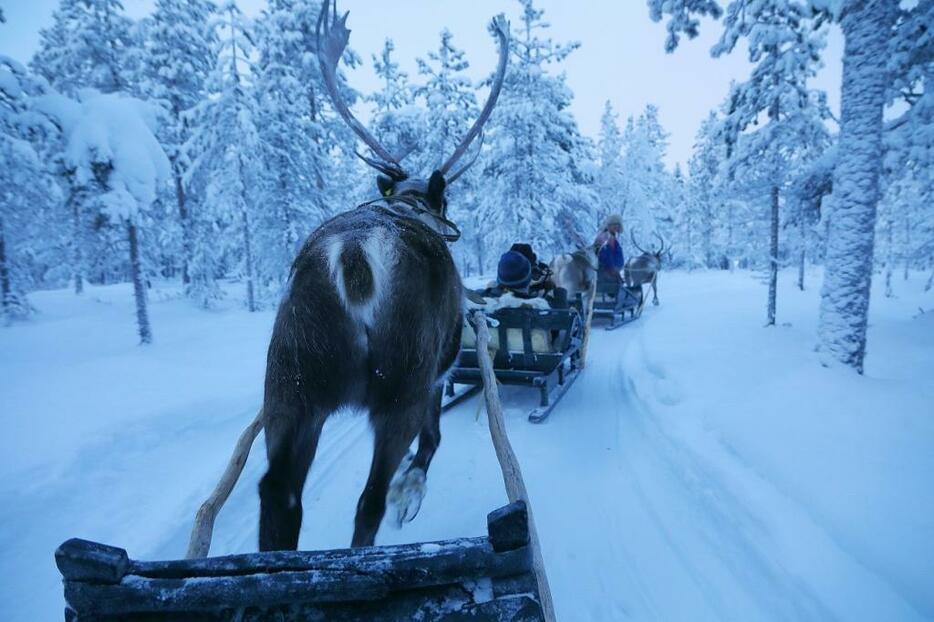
<point>386,185</point>
<point>436,185</point>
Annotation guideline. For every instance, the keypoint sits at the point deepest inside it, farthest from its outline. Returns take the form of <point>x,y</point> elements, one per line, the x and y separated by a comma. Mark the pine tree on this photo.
<point>225,140</point>
<point>535,182</point>
<point>27,189</point>
<point>451,108</point>
<point>609,181</point>
<point>88,46</point>
<point>397,123</point>
<point>786,50</point>
<point>646,186</point>
<point>177,62</point>
<point>294,137</point>
<point>868,25</point>
<point>114,160</point>
<point>704,170</point>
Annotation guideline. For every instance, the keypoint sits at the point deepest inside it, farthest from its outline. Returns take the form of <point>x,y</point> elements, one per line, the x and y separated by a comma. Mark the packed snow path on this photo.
<point>656,497</point>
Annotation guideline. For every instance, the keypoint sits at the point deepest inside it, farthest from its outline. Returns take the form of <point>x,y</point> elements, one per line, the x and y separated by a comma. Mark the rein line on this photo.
<point>418,206</point>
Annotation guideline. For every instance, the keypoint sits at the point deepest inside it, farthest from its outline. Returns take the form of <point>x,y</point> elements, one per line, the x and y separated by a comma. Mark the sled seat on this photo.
<point>485,578</point>
<point>531,364</point>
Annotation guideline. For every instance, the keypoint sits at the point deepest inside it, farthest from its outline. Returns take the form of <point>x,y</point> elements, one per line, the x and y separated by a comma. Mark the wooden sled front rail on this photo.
<point>485,578</point>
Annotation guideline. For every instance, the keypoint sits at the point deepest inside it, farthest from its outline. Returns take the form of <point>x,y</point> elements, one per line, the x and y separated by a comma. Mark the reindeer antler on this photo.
<point>330,50</point>
<point>632,238</point>
<point>500,28</point>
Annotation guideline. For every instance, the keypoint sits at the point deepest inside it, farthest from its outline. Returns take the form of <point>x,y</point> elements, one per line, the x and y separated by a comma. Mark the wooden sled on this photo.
<point>524,361</point>
<point>618,303</point>
<point>485,578</point>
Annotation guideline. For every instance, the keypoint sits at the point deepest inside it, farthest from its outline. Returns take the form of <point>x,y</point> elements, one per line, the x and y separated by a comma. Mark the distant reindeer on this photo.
<point>372,318</point>
<point>643,269</point>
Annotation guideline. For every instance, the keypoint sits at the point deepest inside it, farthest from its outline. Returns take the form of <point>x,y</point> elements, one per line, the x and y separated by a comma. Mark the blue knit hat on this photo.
<point>514,270</point>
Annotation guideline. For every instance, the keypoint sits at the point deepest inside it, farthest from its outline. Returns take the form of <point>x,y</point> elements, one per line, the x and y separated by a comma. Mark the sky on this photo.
<point>621,58</point>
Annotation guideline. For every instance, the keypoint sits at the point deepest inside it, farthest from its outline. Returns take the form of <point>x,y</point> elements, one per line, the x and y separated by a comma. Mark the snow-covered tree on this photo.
<point>786,48</point>
<point>177,62</point>
<point>451,108</point>
<point>225,141</point>
<point>609,181</point>
<point>646,191</point>
<point>112,156</point>
<point>87,46</point>
<point>534,180</point>
<point>704,198</point>
<point>397,124</point>
<point>27,189</point>
<point>295,137</point>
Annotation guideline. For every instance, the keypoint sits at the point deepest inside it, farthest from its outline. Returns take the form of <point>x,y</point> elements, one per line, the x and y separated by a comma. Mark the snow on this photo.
<point>119,131</point>
<point>702,467</point>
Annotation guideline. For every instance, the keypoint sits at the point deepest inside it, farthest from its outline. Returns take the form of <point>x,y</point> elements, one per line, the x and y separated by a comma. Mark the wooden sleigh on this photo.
<point>618,303</point>
<point>542,351</point>
<point>483,578</point>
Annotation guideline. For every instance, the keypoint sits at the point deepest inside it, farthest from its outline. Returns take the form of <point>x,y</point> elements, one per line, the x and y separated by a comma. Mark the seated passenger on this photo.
<point>525,280</point>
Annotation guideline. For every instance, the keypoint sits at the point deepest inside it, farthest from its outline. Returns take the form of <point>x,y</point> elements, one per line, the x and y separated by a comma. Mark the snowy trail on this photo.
<point>654,492</point>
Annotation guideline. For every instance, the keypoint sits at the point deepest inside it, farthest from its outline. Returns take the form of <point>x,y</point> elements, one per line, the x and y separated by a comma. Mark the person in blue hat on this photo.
<point>521,274</point>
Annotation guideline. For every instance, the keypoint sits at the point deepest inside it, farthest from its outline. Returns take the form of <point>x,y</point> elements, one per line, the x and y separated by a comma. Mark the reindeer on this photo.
<point>372,318</point>
<point>576,272</point>
<point>644,268</point>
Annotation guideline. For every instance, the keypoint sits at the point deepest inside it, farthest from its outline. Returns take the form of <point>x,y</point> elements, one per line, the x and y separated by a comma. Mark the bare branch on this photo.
<point>199,545</point>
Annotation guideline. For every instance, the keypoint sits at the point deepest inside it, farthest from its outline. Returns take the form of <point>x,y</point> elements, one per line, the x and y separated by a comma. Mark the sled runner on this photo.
<point>484,578</point>
<point>542,350</point>
<point>618,303</point>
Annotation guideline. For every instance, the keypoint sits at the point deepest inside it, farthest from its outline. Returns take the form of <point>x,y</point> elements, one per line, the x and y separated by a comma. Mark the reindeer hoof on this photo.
<point>405,496</point>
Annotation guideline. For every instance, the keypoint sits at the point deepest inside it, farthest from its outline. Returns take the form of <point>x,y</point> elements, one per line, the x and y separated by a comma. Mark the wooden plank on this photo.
<point>83,560</point>
<point>475,553</point>
<point>332,582</point>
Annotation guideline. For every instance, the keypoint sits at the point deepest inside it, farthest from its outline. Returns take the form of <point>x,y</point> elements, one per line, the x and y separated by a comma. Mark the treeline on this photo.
<point>198,145</point>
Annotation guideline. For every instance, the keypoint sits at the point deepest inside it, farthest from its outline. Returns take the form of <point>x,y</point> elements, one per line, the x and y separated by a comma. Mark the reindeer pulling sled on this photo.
<point>622,301</point>
<point>348,333</point>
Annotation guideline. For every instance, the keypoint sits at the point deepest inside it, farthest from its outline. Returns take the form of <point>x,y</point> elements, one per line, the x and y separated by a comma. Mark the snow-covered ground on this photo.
<point>702,467</point>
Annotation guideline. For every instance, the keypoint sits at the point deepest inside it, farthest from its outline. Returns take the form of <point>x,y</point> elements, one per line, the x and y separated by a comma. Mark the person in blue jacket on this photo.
<point>610,258</point>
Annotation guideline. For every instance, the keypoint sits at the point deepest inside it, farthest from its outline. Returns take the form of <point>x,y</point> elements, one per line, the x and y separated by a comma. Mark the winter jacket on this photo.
<point>610,254</point>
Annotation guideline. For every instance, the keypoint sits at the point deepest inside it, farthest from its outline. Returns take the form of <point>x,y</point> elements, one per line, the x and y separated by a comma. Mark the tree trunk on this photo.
<point>6,287</point>
<point>77,258</point>
<point>802,259</point>
<point>773,259</point>
<point>927,286</point>
<point>889,257</point>
<point>906,255</point>
<point>139,289</point>
<point>185,221</point>
<point>867,29</point>
<point>248,258</point>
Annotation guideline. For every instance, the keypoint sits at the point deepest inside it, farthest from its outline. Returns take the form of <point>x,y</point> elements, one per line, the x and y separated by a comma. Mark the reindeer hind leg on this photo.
<point>408,488</point>
<point>394,430</point>
<point>291,442</point>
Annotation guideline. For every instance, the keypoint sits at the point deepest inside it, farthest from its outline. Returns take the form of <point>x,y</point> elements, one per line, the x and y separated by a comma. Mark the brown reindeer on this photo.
<point>576,272</point>
<point>372,318</point>
<point>643,269</point>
